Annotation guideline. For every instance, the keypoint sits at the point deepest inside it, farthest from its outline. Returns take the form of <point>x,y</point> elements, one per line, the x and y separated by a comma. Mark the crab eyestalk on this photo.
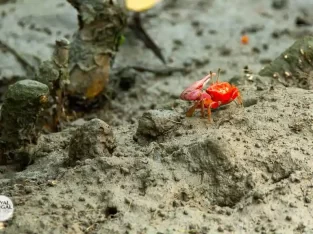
<point>23,103</point>
<point>218,75</point>
<point>94,45</point>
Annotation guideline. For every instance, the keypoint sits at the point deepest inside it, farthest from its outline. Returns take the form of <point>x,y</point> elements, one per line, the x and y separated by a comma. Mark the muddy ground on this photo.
<point>139,165</point>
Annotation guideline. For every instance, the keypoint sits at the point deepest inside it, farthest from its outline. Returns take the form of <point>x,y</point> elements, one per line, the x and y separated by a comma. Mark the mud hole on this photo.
<point>139,165</point>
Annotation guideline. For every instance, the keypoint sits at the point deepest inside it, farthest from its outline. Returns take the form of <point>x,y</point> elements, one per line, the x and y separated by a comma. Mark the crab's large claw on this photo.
<point>194,91</point>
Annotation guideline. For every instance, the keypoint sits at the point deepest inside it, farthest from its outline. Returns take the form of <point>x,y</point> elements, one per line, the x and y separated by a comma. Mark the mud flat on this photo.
<point>139,165</point>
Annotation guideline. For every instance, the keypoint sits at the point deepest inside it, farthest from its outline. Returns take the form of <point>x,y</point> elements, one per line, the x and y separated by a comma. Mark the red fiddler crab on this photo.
<point>216,95</point>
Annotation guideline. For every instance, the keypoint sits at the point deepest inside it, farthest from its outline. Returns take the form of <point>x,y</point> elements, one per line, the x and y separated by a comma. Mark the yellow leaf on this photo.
<point>140,5</point>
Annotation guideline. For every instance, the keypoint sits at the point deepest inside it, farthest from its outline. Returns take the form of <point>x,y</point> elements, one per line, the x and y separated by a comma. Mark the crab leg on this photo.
<point>210,106</point>
<point>239,99</point>
<point>202,108</point>
<point>194,107</point>
<point>209,114</point>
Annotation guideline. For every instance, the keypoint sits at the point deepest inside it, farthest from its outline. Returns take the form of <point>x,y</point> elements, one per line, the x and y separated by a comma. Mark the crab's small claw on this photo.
<point>194,91</point>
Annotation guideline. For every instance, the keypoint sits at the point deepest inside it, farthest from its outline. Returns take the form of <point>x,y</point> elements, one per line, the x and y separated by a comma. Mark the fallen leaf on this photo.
<point>140,5</point>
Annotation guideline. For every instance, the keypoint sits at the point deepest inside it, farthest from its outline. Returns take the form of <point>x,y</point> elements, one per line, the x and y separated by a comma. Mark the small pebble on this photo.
<point>301,21</point>
<point>225,51</point>
<point>161,206</point>
<point>54,205</point>
<point>220,211</point>
<point>52,183</point>
<point>28,189</point>
<point>127,200</point>
<point>230,228</point>
<point>228,211</point>
<point>294,179</point>
<point>41,202</point>
<point>176,203</point>
<point>279,4</point>
<point>124,170</point>
<point>307,199</point>
<point>161,214</point>
<point>81,199</point>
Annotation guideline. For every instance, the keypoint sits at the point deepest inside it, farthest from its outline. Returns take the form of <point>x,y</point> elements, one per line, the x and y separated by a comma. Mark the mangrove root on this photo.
<point>101,23</point>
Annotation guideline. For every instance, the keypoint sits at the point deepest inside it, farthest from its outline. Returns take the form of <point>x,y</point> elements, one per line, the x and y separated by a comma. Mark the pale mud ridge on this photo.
<point>141,166</point>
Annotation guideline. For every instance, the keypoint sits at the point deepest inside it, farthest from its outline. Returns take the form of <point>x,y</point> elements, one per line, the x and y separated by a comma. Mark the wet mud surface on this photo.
<point>139,165</point>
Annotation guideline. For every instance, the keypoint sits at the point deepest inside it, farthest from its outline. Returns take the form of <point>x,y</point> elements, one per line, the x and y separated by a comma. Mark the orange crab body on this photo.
<point>216,95</point>
<point>223,92</point>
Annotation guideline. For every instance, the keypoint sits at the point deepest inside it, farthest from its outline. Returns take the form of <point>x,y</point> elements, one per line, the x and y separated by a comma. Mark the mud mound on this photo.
<point>93,139</point>
<point>242,160</point>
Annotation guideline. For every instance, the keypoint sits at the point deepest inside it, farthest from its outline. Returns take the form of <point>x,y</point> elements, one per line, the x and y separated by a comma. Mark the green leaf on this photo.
<point>121,40</point>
